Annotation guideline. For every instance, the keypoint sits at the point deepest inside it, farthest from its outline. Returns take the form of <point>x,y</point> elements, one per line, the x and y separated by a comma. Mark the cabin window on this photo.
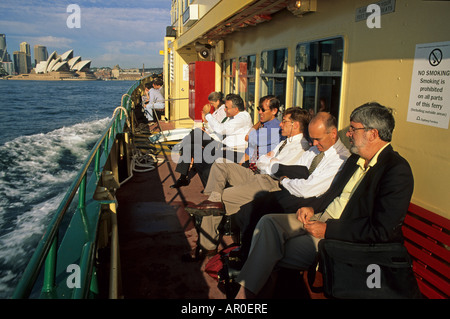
<point>318,72</point>
<point>229,76</point>
<point>273,74</point>
<point>247,66</point>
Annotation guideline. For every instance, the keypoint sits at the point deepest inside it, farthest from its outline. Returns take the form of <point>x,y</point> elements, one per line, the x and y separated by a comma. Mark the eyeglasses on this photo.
<point>286,121</point>
<point>259,108</point>
<point>352,129</point>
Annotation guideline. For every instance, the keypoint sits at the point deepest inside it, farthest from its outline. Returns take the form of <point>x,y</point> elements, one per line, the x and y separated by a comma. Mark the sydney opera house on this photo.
<point>61,67</point>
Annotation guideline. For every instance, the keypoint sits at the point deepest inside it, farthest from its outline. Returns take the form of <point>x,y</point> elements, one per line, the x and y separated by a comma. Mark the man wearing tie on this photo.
<point>323,161</point>
<point>245,181</point>
<point>367,204</point>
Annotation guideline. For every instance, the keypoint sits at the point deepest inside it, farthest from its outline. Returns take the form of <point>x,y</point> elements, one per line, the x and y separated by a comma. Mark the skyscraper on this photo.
<point>40,54</point>
<point>4,56</point>
<point>25,47</point>
<point>2,43</point>
<point>5,59</point>
<point>20,62</point>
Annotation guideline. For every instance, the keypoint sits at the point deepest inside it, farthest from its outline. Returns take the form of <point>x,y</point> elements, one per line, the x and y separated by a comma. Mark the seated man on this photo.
<point>367,204</point>
<point>262,137</point>
<point>323,160</point>
<point>154,98</point>
<point>245,182</point>
<point>202,148</point>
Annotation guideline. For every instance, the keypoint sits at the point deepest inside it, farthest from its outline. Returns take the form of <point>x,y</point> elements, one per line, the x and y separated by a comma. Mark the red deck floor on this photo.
<point>155,231</point>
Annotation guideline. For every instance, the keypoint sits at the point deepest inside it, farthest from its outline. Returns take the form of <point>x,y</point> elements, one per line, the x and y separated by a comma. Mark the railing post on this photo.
<point>107,139</point>
<point>82,193</point>
<point>118,120</point>
<point>50,268</point>
<point>97,163</point>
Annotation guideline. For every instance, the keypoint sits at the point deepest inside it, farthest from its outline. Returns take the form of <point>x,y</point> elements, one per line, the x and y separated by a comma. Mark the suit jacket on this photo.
<point>377,208</point>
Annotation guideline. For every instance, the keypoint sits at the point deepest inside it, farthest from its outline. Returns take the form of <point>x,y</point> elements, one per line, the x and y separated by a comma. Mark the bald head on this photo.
<point>323,131</point>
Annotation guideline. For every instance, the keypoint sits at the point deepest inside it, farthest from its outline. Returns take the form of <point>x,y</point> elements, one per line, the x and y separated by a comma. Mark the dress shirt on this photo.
<point>320,180</point>
<point>265,138</point>
<point>337,206</point>
<point>289,155</point>
<point>156,99</point>
<point>233,131</point>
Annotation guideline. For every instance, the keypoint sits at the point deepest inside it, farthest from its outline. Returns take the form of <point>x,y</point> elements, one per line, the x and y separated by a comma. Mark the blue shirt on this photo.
<point>264,139</point>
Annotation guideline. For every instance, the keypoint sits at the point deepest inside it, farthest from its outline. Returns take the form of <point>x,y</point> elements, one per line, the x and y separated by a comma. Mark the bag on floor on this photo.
<point>215,264</point>
<point>220,268</point>
<point>362,271</point>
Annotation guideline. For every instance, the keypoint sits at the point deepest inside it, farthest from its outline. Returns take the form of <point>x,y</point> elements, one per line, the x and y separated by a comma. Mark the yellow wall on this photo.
<point>378,66</point>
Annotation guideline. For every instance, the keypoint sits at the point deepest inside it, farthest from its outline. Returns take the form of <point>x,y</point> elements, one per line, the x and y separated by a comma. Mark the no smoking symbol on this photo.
<point>435,57</point>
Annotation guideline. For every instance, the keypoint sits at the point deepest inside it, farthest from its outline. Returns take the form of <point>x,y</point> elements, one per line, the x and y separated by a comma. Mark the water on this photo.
<point>47,129</point>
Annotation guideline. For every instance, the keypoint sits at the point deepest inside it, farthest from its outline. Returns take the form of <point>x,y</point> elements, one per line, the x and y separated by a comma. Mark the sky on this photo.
<point>129,33</point>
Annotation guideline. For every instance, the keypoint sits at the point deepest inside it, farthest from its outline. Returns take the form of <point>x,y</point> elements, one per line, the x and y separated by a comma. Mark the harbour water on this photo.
<point>46,131</point>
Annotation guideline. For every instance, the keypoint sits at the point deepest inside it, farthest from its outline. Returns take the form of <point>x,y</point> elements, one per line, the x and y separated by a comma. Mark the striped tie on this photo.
<point>315,162</point>
<point>281,147</point>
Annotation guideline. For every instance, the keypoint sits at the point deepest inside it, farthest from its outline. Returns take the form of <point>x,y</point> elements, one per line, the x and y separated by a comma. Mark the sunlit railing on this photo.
<point>81,234</point>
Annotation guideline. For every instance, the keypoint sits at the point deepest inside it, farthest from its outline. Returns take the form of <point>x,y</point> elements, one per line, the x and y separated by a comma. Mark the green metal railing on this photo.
<point>78,245</point>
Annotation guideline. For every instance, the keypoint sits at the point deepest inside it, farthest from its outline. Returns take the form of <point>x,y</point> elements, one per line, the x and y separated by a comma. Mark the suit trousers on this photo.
<point>245,185</point>
<point>279,240</point>
<point>201,149</point>
<point>278,202</point>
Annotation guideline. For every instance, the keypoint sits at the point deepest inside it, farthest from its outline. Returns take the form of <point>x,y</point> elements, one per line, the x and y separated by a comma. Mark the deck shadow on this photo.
<point>154,232</point>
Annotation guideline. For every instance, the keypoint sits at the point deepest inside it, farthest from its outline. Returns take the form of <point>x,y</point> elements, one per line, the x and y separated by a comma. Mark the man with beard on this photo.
<point>367,204</point>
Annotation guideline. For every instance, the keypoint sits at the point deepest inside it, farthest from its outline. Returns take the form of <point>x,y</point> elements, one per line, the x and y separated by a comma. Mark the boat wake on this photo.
<point>35,173</point>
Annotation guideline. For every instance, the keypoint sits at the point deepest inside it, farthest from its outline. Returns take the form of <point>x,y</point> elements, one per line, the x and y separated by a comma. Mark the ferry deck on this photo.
<point>155,231</point>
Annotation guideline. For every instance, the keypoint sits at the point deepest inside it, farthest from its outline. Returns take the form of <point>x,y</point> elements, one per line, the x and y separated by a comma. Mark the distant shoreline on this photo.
<point>19,78</point>
<point>44,79</point>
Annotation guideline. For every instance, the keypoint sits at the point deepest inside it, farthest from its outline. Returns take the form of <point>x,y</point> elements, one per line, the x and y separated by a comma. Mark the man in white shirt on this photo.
<point>155,99</point>
<point>229,141</point>
<point>332,154</point>
<point>244,181</point>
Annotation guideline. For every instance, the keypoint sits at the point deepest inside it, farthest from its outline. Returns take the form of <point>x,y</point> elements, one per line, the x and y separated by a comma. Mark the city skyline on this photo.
<point>108,32</point>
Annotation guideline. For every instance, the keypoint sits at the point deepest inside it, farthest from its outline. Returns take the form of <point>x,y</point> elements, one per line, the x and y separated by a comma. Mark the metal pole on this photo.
<point>50,268</point>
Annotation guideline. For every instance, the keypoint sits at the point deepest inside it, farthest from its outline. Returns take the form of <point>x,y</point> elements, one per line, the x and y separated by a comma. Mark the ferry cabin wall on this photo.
<point>178,88</point>
<point>377,66</point>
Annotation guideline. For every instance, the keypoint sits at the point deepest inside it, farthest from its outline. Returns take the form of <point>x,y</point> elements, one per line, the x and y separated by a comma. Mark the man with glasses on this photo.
<point>367,204</point>
<point>203,148</point>
<point>323,161</point>
<point>264,135</point>
<point>246,183</point>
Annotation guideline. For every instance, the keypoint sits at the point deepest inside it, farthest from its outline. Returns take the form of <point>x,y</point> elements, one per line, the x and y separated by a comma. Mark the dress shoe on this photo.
<point>181,182</point>
<point>236,259</point>
<point>206,208</point>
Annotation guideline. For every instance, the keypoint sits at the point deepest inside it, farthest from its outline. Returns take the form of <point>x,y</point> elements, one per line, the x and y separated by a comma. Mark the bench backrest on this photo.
<point>427,238</point>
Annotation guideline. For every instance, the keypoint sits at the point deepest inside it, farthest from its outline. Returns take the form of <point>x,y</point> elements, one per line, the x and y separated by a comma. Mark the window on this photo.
<point>247,65</point>
<point>318,72</point>
<point>229,76</point>
<point>273,74</point>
